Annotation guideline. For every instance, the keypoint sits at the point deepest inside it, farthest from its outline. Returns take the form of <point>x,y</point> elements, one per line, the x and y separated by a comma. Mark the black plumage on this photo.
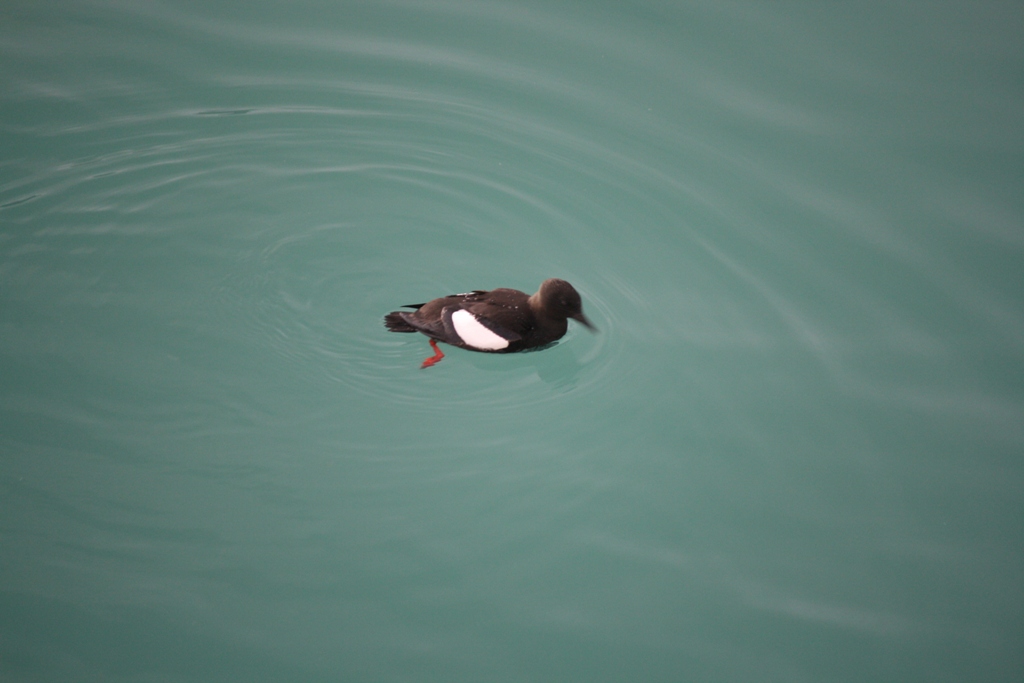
<point>499,320</point>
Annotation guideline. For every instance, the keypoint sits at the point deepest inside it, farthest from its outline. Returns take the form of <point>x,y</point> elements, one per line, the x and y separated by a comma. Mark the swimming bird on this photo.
<point>496,321</point>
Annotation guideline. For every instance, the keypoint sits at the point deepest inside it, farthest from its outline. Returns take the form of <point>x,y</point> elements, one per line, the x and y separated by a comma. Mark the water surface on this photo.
<point>793,451</point>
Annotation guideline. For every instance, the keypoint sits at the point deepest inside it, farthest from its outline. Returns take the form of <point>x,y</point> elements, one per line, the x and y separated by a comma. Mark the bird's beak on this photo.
<point>586,323</point>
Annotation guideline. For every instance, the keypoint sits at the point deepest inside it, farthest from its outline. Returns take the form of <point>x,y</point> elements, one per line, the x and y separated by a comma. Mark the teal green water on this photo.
<point>794,452</point>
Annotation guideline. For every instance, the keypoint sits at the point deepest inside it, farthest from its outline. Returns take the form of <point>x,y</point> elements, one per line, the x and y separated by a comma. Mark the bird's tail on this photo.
<point>396,323</point>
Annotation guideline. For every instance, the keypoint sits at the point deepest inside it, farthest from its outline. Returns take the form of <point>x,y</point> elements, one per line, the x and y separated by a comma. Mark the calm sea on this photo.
<point>793,452</point>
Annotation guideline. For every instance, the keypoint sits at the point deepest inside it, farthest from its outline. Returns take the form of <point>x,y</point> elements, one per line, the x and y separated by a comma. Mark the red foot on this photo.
<point>435,358</point>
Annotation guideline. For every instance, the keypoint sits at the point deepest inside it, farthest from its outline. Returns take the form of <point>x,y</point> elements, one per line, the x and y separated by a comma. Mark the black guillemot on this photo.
<point>498,321</point>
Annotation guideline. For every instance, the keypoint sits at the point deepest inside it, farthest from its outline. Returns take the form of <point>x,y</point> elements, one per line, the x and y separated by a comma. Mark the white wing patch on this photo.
<point>474,334</point>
